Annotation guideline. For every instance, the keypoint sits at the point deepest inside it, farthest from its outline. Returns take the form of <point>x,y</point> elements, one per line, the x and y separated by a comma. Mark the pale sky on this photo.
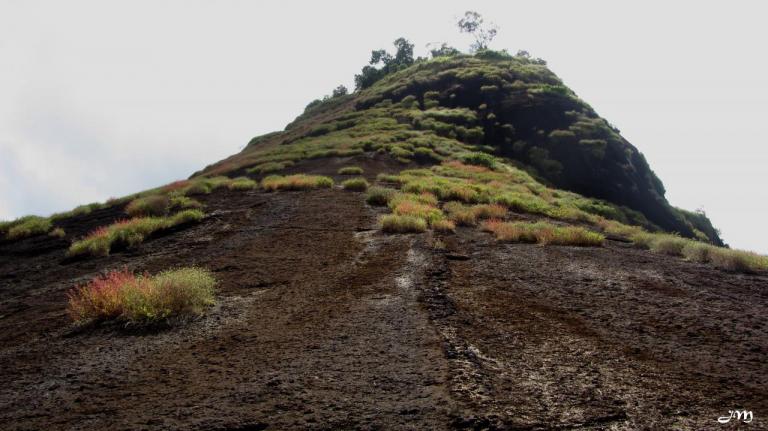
<point>105,98</point>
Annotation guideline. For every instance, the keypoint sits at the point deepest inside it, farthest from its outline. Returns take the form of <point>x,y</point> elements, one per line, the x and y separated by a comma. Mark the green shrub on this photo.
<point>351,170</point>
<point>392,223</point>
<point>153,205</point>
<point>379,196</point>
<point>124,296</point>
<point>355,184</point>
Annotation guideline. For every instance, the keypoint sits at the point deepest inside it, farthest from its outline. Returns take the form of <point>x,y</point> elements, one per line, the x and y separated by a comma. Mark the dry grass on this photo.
<point>668,244</point>
<point>489,211</point>
<point>697,252</point>
<point>296,182</point>
<point>700,252</point>
<point>446,226</point>
<point>423,198</point>
<point>543,233</point>
<point>355,184</point>
<point>124,296</point>
<point>426,212</point>
<point>737,260</point>
<point>393,223</point>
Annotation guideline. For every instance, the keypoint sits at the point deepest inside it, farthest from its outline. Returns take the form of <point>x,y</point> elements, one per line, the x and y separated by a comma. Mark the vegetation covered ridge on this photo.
<point>456,105</point>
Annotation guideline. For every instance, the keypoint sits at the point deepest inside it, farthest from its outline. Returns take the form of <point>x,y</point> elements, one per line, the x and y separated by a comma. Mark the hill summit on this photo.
<point>511,107</point>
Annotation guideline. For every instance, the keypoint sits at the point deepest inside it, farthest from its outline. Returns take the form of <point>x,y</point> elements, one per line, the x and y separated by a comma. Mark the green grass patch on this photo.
<point>379,196</point>
<point>184,202</point>
<point>393,223</point>
<point>355,184</point>
<point>152,205</point>
<point>350,170</point>
<point>26,226</point>
<point>269,167</point>
<point>129,233</point>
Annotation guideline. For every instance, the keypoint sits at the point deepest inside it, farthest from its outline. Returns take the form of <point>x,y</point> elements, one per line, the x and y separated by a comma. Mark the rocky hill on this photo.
<point>462,244</point>
<point>512,107</point>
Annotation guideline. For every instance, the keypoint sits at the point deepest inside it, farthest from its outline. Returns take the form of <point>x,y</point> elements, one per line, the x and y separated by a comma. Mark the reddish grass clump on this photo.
<point>123,295</point>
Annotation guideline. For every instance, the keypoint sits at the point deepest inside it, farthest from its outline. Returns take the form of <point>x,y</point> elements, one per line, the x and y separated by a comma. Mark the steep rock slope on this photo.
<point>323,320</point>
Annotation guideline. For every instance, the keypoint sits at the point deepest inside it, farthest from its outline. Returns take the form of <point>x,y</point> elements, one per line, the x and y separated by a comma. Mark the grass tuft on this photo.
<point>28,226</point>
<point>129,233</point>
<point>668,244</point>
<point>183,202</point>
<point>379,196</point>
<point>355,184</point>
<point>543,233</point>
<point>242,183</point>
<point>460,214</point>
<point>350,170</point>
<point>697,252</point>
<point>296,182</point>
<point>446,226</point>
<point>153,205</point>
<point>124,296</point>
<point>393,223</point>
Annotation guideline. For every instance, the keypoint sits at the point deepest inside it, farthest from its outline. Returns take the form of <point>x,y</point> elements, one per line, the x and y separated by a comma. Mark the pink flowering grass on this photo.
<point>124,296</point>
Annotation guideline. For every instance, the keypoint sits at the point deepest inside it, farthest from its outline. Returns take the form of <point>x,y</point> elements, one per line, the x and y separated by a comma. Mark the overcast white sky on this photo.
<point>105,98</point>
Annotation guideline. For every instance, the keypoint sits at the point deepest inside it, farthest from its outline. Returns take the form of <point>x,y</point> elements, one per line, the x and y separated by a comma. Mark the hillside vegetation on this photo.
<point>470,106</point>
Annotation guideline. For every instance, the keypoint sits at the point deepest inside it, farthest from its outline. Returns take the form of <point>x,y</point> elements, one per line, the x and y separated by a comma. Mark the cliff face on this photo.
<point>510,107</point>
